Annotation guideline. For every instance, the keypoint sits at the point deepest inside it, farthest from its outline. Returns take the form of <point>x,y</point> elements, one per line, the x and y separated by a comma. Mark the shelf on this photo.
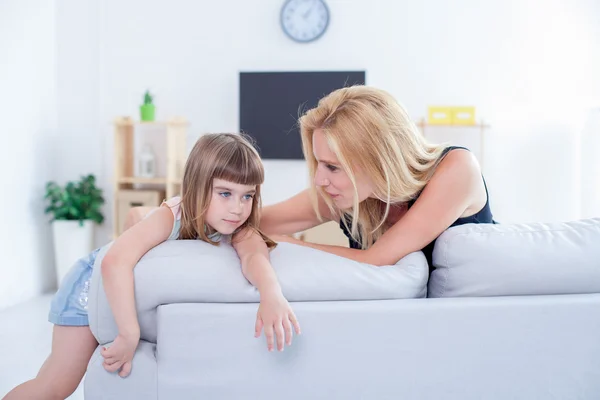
<point>464,130</point>
<point>133,190</point>
<point>151,123</point>
<point>135,179</point>
<point>148,181</point>
<point>424,124</point>
<point>126,121</point>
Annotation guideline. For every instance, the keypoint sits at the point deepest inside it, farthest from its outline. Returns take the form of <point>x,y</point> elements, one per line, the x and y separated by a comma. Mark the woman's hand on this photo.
<point>120,354</point>
<point>275,315</point>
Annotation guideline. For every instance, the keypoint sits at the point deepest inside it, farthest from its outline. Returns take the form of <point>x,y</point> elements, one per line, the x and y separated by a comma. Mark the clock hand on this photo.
<point>307,13</point>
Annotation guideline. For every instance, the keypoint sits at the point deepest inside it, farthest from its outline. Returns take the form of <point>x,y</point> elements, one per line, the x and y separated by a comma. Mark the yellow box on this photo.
<point>438,115</point>
<point>463,115</point>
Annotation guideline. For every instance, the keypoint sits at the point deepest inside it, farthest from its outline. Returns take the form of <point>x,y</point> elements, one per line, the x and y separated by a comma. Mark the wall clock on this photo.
<point>304,20</point>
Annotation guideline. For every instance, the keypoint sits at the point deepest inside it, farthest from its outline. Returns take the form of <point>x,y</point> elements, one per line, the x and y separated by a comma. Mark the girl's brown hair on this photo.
<point>228,156</point>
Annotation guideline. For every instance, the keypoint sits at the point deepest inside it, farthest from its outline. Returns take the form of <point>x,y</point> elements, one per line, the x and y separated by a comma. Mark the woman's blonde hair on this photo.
<point>368,130</point>
<point>228,156</point>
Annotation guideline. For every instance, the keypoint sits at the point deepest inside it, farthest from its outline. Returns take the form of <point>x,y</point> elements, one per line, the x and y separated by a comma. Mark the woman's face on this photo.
<point>333,179</point>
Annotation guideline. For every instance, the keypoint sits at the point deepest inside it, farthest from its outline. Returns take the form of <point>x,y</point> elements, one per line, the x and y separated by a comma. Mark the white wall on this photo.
<point>28,109</point>
<point>531,68</point>
<point>590,165</point>
<point>78,86</point>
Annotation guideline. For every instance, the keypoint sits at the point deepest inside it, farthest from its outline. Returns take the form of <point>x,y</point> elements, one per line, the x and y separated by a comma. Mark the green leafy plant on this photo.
<point>147,97</point>
<point>76,201</point>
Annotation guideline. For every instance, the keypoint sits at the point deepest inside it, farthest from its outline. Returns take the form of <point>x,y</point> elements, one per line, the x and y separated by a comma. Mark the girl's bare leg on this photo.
<point>61,373</point>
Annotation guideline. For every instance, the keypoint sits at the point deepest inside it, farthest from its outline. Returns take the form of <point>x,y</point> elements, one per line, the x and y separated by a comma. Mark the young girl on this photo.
<point>220,201</point>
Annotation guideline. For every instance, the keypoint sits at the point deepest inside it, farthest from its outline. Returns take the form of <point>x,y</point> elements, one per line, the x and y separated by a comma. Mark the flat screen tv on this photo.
<point>271,102</point>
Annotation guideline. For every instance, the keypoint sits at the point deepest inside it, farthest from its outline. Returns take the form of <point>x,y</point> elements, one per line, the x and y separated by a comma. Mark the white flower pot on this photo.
<point>71,242</point>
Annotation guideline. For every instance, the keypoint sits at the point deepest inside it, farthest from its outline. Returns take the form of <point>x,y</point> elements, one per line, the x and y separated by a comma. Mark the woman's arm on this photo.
<point>451,191</point>
<point>117,275</point>
<point>293,215</point>
<point>353,254</point>
<point>274,313</point>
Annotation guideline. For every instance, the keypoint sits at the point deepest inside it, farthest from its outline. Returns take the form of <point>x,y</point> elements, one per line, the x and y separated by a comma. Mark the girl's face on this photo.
<point>230,205</point>
<point>333,179</point>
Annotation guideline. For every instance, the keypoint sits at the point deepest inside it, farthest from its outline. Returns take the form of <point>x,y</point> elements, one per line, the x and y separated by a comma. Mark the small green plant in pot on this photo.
<point>77,201</point>
<point>147,109</point>
<point>74,209</point>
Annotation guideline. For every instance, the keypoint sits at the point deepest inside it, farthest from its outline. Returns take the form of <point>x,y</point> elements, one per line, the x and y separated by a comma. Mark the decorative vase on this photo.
<point>71,242</point>
<point>147,112</point>
<point>147,163</point>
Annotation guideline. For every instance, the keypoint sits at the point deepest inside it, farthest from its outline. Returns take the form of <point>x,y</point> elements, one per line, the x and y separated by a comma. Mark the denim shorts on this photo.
<point>69,304</point>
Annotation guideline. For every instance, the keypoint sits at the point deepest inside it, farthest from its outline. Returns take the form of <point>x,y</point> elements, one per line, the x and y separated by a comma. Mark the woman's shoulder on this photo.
<point>458,160</point>
<point>459,172</point>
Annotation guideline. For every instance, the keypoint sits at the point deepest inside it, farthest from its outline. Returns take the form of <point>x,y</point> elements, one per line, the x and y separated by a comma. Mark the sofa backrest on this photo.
<point>517,259</point>
<point>191,271</point>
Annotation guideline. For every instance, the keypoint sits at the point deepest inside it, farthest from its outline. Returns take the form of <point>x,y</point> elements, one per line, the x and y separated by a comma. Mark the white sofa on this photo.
<point>513,313</point>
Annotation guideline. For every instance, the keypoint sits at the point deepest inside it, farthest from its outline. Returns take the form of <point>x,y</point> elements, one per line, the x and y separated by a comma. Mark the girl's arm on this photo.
<point>254,257</point>
<point>455,186</point>
<point>117,274</point>
<point>274,313</point>
<point>136,214</point>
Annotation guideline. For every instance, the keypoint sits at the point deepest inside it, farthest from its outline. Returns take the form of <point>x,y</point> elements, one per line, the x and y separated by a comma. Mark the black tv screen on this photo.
<point>271,102</point>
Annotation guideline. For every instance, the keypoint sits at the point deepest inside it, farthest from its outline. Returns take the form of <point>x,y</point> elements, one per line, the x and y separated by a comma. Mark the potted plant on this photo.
<point>74,209</point>
<point>147,109</point>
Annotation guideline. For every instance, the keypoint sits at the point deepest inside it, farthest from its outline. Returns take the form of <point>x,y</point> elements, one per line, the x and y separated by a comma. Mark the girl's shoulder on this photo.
<point>174,204</point>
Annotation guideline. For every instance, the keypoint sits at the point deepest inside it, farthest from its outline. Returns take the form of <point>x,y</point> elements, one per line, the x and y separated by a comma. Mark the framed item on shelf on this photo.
<point>463,116</point>
<point>438,115</point>
<point>451,115</point>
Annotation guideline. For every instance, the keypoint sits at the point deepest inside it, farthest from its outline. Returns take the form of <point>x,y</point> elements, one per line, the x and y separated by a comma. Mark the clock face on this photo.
<point>304,20</point>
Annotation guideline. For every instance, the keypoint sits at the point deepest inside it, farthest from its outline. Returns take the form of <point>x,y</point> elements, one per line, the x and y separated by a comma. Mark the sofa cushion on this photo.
<point>517,259</point>
<point>184,271</point>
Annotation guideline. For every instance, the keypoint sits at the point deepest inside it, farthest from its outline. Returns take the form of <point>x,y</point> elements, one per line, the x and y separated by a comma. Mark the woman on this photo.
<point>372,171</point>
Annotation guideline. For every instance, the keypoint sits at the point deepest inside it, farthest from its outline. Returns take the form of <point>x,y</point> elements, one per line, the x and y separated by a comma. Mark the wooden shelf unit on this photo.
<point>138,180</point>
<point>478,128</point>
<point>124,180</point>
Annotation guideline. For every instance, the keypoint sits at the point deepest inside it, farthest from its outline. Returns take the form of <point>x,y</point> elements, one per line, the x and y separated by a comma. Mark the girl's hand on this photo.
<point>276,317</point>
<point>120,354</point>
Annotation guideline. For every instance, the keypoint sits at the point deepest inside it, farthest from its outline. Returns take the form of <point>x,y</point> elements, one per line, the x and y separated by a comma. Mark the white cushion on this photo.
<point>517,259</point>
<point>184,271</point>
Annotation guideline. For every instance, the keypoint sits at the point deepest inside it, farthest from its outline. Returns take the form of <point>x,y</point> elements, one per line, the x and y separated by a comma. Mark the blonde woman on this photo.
<point>372,171</point>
